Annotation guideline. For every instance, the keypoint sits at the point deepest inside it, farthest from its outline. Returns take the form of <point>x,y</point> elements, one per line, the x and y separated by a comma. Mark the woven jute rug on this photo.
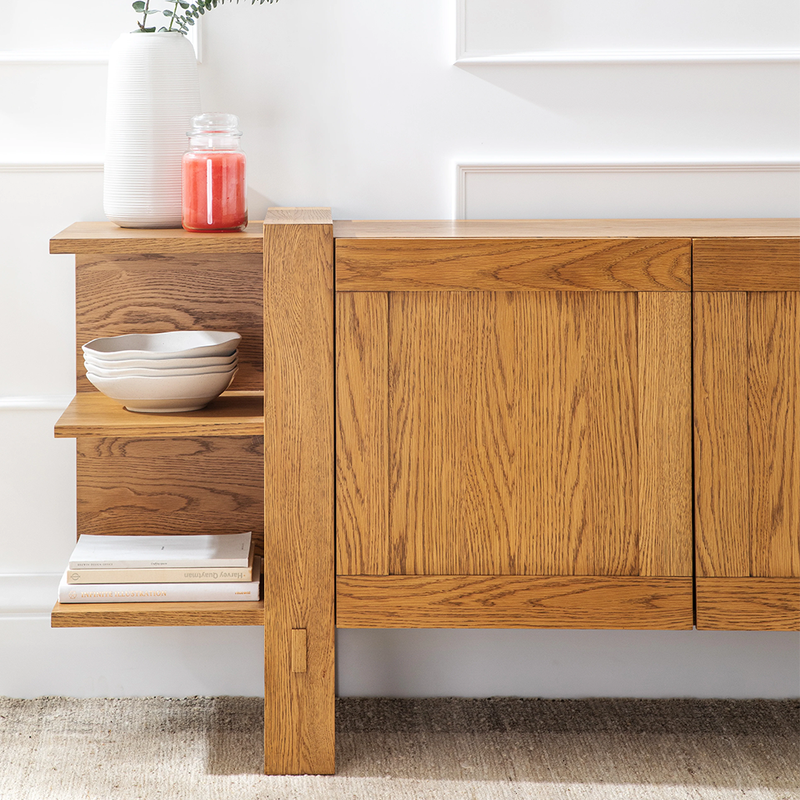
<point>198,748</point>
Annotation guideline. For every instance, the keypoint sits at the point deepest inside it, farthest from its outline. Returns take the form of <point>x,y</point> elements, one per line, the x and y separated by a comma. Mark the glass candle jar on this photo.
<point>213,176</point>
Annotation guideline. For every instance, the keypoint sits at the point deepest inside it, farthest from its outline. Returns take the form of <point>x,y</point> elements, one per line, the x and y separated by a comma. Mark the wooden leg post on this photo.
<point>299,492</point>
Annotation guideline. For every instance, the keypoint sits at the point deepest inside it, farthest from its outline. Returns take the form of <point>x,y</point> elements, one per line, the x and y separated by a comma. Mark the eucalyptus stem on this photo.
<point>143,23</point>
<point>172,18</point>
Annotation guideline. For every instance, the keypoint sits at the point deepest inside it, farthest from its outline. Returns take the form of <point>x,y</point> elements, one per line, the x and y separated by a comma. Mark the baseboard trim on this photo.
<point>35,403</point>
<point>27,595</point>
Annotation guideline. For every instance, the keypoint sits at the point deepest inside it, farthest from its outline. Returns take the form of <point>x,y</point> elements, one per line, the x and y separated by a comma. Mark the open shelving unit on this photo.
<point>167,473</point>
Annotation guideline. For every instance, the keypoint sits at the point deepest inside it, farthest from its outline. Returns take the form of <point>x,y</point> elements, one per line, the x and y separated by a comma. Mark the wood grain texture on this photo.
<point>578,489</point>
<point>563,228</point>
<point>93,414</point>
<point>299,650</point>
<point>773,433</point>
<point>746,265</point>
<point>362,500</point>
<point>108,239</point>
<point>516,424</point>
<point>748,604</point>
<point>170,486</point>
<point>611,265</point>
<point>665,433</point>
<point>282,215</point>
<point>452,433</point>
<point>299,505</point>
<point>116,295</point>
<point>112,615</point>
<point>612,544</point>
<point>445,601</point>
<point>722,502</point>
<point>747,434</point>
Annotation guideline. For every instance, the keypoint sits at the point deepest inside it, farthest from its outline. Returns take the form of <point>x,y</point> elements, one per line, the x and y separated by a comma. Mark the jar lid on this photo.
<point>215,122</point>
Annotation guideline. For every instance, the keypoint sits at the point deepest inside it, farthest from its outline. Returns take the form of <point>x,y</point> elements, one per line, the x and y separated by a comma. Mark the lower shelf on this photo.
<point>109,615</point>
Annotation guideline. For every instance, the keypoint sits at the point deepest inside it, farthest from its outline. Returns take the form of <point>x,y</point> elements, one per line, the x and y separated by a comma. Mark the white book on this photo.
<point>180,550</point>
<point>165,574</point>
<point>160,592</point>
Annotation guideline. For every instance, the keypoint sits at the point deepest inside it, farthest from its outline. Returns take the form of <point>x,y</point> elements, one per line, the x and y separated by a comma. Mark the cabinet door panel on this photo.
<point>362,474</point>
<point>452,433</point>
<point>578,492</point>
<point>747,458</point>
<point>665,414</point>
<point>529,433</point>
<point>747,432</point>
<point>773,412</point>
<point>721,491</point>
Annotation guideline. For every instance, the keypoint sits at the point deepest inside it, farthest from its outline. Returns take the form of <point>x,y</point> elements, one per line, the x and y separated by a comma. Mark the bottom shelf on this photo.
<point>108,615</point>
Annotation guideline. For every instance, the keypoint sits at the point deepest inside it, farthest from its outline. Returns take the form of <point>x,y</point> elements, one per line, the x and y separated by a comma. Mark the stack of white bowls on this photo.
<point>163,372</point>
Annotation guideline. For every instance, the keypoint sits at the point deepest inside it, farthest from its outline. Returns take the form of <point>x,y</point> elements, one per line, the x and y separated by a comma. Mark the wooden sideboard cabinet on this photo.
<point>524,424</point>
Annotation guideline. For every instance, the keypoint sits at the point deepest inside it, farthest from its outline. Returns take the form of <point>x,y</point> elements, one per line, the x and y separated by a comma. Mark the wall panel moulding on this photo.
<point>513,32</point>
<point>77,57</point>
<point>52,57</point>
<point>52,165</point>
<point>627,190</point>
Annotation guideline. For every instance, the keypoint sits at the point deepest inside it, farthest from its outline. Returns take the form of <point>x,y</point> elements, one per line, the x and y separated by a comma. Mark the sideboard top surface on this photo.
<point>565,228</point>
<point>107,238</point>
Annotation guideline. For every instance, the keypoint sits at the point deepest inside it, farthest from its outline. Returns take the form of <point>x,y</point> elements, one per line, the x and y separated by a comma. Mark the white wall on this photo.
<point>359,105</point>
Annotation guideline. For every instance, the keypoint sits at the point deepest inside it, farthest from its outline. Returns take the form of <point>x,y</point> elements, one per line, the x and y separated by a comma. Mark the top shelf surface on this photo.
<point>107,238</point>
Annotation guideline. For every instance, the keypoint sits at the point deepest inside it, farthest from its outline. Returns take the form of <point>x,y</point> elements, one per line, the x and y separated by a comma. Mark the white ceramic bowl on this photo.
<point>143,372</point>
<point>195,362</point>
<point>171,344</point>
<point>164,394</point>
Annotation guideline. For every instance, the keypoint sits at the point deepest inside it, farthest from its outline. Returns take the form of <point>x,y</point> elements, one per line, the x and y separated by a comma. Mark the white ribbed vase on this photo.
<point>153,93</point>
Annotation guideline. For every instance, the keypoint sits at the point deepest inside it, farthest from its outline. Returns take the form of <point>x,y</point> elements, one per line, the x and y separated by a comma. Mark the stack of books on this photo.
<point>166,569</point>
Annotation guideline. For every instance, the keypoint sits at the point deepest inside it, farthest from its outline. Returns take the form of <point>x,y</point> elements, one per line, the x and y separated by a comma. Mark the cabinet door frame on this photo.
<point>373,278</point>
<point>746,339</point>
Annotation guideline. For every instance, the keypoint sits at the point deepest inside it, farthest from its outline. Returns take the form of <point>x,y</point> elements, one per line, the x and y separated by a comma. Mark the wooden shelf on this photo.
<point>108,239</point>
<point>109,615</point>
<point>94,414</point>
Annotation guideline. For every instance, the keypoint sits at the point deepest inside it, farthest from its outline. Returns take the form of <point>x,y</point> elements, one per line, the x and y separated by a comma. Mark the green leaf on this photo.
<point>167,13</point>
<point>138,6</point>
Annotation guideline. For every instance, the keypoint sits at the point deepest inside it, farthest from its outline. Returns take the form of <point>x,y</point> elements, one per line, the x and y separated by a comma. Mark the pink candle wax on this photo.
<point>214,190</point>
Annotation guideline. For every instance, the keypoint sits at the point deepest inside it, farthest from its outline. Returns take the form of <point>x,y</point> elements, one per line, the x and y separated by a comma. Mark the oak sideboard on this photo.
<point>509,423</point>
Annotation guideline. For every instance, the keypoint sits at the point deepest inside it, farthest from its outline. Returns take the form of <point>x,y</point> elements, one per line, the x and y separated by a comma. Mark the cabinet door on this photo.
<point>747,433</point>
<point>517,457</point>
